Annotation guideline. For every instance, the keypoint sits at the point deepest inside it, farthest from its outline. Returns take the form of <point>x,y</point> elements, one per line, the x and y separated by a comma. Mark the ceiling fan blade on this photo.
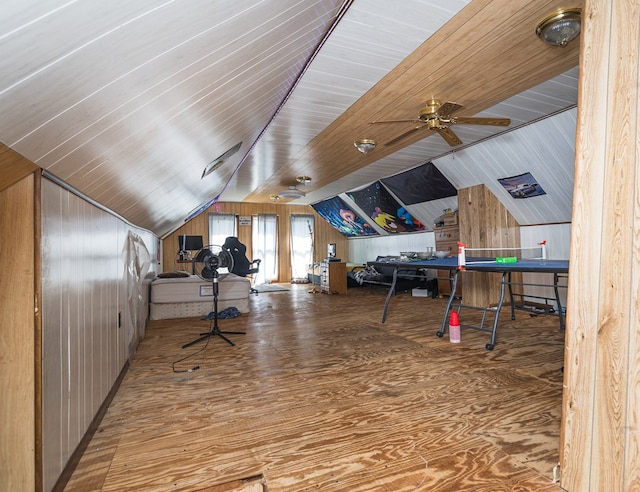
<point>465,120</point>
<point>395,121</point>
<point>447,109</point>
<point>450,137</point>
<point>404,135</point>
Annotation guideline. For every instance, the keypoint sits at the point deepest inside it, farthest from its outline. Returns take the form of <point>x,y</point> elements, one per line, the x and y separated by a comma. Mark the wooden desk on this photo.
<point>333,277</point>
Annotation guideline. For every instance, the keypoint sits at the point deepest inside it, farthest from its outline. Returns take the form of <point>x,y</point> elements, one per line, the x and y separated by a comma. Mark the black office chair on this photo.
<point>242,266</point>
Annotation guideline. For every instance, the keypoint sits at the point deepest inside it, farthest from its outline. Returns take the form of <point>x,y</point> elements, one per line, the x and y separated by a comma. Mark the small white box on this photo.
<point>420,292</point>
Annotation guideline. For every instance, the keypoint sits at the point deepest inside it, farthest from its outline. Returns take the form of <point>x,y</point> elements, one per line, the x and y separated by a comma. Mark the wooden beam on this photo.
<point>601,428</point>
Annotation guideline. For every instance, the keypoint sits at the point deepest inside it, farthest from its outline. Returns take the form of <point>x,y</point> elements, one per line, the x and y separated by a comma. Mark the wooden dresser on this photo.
<point>333,277</point>
<point>447,238</point>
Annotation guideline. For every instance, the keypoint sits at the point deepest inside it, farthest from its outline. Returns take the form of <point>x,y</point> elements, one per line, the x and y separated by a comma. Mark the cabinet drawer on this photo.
<point>447,234</point>
<point>450,246</point>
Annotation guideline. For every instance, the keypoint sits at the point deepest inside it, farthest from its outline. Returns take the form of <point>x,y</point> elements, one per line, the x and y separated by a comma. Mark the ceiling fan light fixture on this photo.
<point>560,28</point>
<point>291,193</point>
<point>305,180</point>
<point>365,145</point>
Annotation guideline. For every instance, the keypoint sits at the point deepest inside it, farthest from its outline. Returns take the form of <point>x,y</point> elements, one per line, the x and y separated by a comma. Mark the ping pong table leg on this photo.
<point>454,283</point>
<point>513,306</point>
<point>492,344</point>
<point>391,291</point>
<point>558,303</point>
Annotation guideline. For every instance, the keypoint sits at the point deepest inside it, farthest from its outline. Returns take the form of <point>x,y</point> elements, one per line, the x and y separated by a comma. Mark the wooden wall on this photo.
<point>601,405</point>
<point>17,336</point>
<point>199,226</point>
<point>484,223</point>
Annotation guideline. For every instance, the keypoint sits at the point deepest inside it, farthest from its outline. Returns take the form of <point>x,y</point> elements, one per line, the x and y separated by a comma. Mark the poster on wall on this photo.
<point>342,217</point>
<point>522,186</point>
<point>385,210</point>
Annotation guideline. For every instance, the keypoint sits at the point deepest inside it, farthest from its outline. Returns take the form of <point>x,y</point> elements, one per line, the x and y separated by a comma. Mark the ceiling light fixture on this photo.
<point>274,198</point>
<point>305,180</point>
<point>292,193</point>
<point>560,28</point>
<point>365,146</point>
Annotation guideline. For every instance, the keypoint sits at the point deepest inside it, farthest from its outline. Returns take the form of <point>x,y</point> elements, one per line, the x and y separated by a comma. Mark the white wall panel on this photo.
<point>367,249</point>
<point>546,149</point>
<point>557,237</point>
<point>84,349</point>
<point>53,357</point>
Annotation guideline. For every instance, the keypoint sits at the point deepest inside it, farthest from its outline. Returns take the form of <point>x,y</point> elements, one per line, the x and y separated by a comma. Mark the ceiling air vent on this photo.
<point>216,163</point>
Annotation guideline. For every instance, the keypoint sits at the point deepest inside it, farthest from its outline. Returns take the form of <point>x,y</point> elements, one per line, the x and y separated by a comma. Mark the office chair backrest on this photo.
<point>241,263</point>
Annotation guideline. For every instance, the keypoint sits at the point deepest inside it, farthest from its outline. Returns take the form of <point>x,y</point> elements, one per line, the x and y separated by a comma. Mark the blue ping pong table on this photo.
<point>554,267</point>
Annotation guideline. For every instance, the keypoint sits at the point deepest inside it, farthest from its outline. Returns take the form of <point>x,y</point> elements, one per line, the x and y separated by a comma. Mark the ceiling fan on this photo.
<point>439,117</point>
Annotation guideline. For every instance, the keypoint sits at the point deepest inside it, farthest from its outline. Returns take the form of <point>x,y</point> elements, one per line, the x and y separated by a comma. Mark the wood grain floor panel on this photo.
<point>320,395</point>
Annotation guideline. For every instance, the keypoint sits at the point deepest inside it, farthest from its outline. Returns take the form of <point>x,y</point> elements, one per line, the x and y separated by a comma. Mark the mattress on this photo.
<point>191,296</point>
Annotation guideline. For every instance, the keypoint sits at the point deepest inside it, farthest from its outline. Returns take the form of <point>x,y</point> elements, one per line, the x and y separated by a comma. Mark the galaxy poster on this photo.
<point>339,215</point>
<point>385,210</point>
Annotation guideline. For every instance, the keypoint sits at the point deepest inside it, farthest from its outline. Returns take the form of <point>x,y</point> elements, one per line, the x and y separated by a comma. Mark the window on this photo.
<point>302,227</point>
<point>265,244</point>
<point>221,226</point>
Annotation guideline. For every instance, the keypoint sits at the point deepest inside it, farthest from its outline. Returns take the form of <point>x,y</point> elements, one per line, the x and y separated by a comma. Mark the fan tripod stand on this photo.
<point>215,331</point>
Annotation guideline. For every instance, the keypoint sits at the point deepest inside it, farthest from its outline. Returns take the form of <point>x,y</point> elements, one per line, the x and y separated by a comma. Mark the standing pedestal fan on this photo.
<point>212,264</point>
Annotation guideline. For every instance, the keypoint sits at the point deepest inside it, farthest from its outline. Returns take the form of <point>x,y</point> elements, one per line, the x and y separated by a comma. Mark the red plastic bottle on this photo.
<point>454,328</point>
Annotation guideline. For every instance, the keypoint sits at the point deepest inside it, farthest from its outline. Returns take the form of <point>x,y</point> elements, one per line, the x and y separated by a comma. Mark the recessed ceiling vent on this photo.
<point>216,163</point>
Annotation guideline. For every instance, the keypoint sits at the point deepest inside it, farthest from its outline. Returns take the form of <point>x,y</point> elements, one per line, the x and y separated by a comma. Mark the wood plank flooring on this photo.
<point>320,395</point>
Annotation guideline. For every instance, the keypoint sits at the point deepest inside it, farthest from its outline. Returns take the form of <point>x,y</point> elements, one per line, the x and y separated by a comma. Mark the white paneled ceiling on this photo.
<point>545,149</point>
<point>128,101</point>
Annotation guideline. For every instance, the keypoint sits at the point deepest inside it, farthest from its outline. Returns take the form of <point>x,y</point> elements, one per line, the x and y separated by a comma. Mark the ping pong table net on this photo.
<point>474,256</point>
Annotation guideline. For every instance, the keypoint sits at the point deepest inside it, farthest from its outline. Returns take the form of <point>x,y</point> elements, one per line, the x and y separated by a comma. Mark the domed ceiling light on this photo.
<point>291,193</point>
<point>560,28</point>
<point>365,145</point>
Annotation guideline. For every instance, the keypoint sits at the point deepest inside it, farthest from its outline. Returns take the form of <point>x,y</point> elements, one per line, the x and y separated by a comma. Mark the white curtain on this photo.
<point>265,243</point>
<point>221,226</point>
<point>302,227</point>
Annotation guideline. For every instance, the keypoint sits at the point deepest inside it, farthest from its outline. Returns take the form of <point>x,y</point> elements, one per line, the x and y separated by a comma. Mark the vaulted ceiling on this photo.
<point>129,101</point>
